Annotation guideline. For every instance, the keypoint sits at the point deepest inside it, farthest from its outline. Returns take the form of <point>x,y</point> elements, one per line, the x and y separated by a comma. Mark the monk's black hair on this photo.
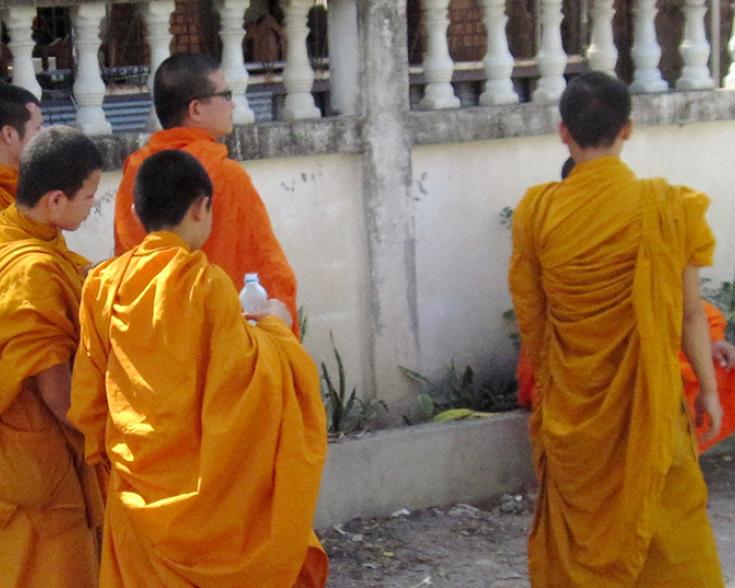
<point>595,107</point>
<point>180,79</point>
<point>14,111</point>
<point>166,186</point>
<point>58,158</point>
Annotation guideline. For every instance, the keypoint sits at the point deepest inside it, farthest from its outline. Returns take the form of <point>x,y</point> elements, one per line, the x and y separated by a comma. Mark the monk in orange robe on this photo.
<point>214,429</point>
<point>605,284</point>
<point>195,109</point>
<point>20,121</point>
<point>50,503</point>
<point>724,360</point>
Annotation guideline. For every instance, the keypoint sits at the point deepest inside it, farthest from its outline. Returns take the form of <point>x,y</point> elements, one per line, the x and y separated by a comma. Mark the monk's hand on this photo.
<point>709,403</point>
<point>723,354</point>
<point>273,307</point>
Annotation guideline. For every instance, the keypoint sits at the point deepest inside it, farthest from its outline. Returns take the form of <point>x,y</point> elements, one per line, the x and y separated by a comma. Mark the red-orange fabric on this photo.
<point>242,238</point>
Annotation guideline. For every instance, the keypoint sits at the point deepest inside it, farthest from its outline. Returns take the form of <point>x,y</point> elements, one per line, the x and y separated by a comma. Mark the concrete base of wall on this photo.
<point>425,465</point>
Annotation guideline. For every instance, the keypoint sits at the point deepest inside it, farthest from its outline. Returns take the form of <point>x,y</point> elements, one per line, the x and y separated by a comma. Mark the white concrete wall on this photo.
<point>316,205</point>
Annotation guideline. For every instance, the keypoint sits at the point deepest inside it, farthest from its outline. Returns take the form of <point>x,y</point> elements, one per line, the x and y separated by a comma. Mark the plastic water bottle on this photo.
<point>253,296</point>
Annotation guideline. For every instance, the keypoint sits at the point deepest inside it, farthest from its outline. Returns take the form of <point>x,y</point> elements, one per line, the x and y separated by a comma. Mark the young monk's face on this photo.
<point>73,211</point>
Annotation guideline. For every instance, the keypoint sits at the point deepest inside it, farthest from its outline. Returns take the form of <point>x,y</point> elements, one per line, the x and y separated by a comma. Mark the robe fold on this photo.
<point>596,280</point>
<point>242,239</point>
<point>8,186</point>
<point>214,429</point>
<point>725,382</point>
<point>50,503</point>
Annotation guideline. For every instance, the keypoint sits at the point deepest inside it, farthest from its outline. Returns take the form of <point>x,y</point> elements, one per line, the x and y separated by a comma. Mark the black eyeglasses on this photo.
<point>226,94</point>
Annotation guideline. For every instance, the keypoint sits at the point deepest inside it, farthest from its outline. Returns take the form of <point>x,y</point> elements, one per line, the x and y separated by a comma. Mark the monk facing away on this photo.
<point>20,121</point>
<point>50,503</point>
<point>195,108</point>
<point>214,429</point>
<point>605,284</point>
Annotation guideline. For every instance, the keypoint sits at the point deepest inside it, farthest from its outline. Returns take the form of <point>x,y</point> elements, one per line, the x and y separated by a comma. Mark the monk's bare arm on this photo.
<point>698,349</point>
<point>54,386</point>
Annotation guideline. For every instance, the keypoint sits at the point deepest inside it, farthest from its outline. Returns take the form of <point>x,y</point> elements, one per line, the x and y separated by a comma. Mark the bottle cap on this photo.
<point>251,278</point>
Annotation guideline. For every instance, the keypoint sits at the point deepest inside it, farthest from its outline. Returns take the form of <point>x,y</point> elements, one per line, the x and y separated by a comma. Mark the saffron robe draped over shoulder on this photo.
<point>596,279</point>
<point>242,238</point>
<point>215,430</point>
<point>8,186</point>
<point>49,500</point>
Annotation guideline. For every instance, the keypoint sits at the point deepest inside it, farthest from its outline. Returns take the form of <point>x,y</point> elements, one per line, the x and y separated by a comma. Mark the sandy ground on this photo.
<point>481,545</point>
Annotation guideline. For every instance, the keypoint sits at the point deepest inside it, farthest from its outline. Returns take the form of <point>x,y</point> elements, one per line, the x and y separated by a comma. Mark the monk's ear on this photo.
<point>564,134</point>
<point>193,111</point>
<point>200,208</point>
<point>8,133</point>
<point>52,202</point>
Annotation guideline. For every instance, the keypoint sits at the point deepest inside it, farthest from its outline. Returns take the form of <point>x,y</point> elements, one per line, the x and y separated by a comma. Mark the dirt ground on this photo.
<point>481,545</point>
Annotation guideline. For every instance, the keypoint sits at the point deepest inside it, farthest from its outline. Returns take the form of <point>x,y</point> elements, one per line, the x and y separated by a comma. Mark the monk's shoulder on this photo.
<point>211,282</point>
<point>535,198</point>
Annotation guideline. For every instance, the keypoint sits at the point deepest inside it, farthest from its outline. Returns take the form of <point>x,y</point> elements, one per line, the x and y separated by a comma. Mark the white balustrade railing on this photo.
<point>298,76</point>
<point>157,16</point>
<point>232,14</point>
<point>89,89</point>
<point>551,59</point>
<point>438,65</point>
<point>694,48</point>
<point>438,68</point>
<point>19,21</point>
<point>498,60</point>
<point>602,55</point>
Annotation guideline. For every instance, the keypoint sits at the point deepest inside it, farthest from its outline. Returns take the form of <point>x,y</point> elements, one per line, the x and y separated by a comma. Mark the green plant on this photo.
<point>461,390</point>
<point>506,217</point>
<point>515,337</point>
<point>723,297</point>
<point>303,323</point>
<point>346,412</point>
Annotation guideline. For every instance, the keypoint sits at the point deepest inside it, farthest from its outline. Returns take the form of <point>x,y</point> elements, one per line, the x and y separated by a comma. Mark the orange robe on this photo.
<point>596,282</point>
<point>215,430</point>
<point>49,502</point>
<point>242,239</point>
<point>725,382</point>
<point>8,185</point>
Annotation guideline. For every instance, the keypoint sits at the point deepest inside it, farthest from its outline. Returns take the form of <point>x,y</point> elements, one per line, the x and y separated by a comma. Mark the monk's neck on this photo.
<point>8,160</point>
<point>585,154</point>
<point>36,215</point>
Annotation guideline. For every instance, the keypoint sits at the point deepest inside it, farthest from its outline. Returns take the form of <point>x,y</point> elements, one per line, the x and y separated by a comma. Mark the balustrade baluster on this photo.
<point>602,54</point>
<point>694,49</point>
<point>551,59</point>
<point>498,59</point>
<point>298,76</point>
<point>232,34</point>
<point>19,21</point>
<point>646,51</point>
<point>438,65</point>
<point>157,16</point>
<point>89,89</point>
